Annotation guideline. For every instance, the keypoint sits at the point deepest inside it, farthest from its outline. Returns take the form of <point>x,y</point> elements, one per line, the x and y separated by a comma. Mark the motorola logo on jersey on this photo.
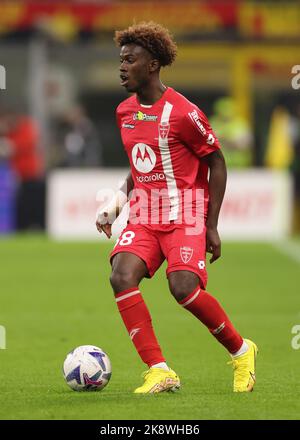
<point>143,158</point>
<point>152,178</point>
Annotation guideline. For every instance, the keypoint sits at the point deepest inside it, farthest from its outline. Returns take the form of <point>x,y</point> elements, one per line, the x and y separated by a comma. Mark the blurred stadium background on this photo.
<point>59,145</point>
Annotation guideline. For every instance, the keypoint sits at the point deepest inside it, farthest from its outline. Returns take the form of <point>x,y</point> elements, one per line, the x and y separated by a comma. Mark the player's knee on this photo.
<point>179,291</point>
<point>182,286</point>
<point>122,280</point>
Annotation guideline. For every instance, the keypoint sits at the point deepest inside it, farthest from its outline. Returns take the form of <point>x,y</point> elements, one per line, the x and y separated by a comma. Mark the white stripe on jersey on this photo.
<point>167,164</point>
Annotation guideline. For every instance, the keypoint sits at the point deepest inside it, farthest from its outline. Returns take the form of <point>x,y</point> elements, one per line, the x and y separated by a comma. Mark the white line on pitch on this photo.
<point>289,248</point>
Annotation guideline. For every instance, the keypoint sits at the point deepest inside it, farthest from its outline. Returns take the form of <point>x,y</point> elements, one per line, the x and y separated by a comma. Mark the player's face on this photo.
<point>135,67</point>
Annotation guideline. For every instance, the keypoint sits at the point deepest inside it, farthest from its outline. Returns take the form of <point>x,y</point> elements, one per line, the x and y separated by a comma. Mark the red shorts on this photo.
<point>182,252</point>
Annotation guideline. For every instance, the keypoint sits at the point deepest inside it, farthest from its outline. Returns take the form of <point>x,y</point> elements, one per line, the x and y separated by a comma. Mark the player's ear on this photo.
<point>154,65</point>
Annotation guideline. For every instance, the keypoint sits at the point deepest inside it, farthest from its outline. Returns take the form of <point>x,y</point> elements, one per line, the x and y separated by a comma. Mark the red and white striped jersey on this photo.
<point>165,143</point>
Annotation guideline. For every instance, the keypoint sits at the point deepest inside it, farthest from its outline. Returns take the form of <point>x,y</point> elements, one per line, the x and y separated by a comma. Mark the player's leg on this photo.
<point>127,272</point>
<point>128,269</point>
<point>209,311</point>
<point>187,280</point>
<point>185,287</point>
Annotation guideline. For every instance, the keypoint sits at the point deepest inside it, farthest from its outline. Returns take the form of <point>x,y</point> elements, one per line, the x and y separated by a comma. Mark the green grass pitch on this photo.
<point>56,296</point>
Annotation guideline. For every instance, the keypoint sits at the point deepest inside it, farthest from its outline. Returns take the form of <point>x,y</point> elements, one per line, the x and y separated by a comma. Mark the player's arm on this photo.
<point>200,138</point>
<point>107,215</point>
<point>217,185</point>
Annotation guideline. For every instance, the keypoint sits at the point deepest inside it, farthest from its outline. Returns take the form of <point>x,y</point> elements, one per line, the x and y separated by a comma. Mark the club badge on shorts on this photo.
<point>186,254</point>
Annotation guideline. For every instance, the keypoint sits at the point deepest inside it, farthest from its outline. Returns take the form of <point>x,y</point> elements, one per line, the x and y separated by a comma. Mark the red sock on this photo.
<point>138,322</point>
<point>208,310</point>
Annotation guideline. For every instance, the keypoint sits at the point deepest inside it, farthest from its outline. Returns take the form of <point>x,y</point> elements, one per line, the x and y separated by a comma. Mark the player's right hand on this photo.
<point>103,224</point>
<point>108,214</point>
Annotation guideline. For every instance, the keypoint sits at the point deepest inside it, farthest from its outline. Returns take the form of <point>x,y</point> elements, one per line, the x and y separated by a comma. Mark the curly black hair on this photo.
<point>151,36</point>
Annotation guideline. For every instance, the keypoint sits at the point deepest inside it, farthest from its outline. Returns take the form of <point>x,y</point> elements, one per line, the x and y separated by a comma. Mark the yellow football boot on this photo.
<point>157,380</point>
<point>244,369</point>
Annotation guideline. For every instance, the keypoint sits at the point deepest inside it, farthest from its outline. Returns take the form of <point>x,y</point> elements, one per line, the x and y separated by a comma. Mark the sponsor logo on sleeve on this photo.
<point>196,119</point>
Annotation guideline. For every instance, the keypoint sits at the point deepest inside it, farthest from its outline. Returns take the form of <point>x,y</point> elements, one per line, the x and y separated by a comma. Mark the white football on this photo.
<point>87,368</point>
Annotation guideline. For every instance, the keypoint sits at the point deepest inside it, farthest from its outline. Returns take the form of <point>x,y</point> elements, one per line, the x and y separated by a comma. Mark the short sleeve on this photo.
<point>197,134</point>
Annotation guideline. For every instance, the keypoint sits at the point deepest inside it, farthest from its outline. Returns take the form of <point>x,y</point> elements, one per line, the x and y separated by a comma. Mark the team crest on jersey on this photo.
<point>163,129</point>
<point>140,116</point>
<point>186,254</point>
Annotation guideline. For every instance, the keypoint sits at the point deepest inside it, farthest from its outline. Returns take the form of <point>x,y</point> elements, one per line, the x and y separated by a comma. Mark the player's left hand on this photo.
<point>213,243</point>
<point>103,224</point>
